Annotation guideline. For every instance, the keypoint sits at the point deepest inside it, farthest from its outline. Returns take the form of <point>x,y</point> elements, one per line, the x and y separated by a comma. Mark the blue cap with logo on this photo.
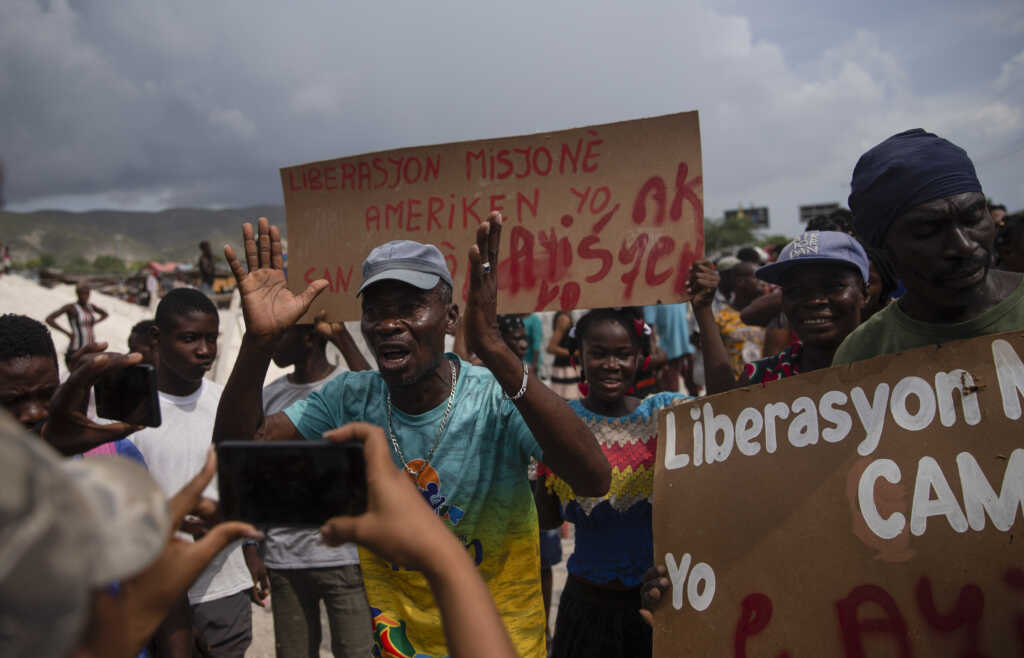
<point>419,265</point>
<point>817,247</point>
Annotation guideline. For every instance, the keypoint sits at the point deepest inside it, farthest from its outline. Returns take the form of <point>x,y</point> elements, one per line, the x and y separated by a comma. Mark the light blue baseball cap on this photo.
<point>420,265</point>
<point>817,247</point>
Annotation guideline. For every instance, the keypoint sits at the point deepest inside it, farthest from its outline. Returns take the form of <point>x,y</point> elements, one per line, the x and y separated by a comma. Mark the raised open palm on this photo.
<point>481,315</point>
<point>267,305</point>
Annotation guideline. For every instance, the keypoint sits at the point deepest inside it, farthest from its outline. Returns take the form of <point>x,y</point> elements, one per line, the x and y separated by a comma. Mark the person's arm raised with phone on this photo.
<point>268,308</point>
<point>67,428</point>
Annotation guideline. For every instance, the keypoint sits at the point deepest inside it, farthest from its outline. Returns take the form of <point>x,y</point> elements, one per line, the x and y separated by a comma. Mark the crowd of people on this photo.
<point>473,461</point>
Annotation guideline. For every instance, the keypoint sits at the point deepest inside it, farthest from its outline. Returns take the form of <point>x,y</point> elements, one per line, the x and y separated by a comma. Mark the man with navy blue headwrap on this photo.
<point>917,197</point>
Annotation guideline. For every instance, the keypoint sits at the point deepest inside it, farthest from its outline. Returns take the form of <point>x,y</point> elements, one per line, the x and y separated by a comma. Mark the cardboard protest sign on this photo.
<point>873,509</point>
<point>607,215</point>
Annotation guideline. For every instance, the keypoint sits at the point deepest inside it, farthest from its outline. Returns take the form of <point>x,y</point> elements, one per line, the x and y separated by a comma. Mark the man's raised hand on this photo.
<point>481,317</point>
<point>267,305</point>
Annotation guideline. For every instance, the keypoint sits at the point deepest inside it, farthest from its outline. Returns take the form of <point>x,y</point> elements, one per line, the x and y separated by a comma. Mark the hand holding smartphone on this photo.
<point>129,395</point>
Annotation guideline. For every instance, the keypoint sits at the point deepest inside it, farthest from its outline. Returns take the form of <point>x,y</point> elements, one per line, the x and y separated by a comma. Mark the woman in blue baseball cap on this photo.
<point>823,277</point>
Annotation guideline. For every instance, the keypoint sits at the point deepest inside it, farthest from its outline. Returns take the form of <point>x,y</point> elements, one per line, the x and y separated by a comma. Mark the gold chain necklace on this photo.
<point>440,429</point>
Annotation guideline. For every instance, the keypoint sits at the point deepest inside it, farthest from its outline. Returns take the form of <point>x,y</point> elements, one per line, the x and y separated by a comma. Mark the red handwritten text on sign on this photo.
<point>869,616</point>
<point>603,216</point>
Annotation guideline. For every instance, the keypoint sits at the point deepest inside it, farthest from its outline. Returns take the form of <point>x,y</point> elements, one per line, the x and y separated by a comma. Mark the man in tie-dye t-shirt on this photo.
<point>476,482</point>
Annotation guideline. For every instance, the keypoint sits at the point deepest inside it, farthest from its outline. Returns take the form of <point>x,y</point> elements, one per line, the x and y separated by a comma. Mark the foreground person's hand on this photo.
<point>267,305</point>
<point>67,428</point>
<point>125,621</point>
<point>203,516</point>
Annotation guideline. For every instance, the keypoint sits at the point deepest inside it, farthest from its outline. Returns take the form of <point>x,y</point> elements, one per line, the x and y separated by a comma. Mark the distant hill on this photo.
<point>172,234</point>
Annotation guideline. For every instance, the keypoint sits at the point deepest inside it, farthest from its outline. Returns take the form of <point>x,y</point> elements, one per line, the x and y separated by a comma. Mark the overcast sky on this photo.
<point>147,105</point>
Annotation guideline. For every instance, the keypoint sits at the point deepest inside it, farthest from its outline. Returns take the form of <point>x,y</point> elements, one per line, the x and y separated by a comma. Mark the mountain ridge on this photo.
<point>166,235</point>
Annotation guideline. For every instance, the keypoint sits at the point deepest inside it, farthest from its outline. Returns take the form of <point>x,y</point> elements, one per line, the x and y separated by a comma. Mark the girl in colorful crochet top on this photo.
<point>598,614</point>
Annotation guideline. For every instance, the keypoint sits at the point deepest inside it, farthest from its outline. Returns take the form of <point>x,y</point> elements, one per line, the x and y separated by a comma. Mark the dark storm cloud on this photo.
<point>161,104</point>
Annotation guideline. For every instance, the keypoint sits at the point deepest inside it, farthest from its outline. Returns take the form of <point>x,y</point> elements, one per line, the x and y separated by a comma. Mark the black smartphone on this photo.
<point>296,483</point>
<point>129,395</point>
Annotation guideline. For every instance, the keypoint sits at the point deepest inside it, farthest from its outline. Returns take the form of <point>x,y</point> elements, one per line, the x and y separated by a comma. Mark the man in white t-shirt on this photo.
<point>186,331</point>
<point>303,571</point>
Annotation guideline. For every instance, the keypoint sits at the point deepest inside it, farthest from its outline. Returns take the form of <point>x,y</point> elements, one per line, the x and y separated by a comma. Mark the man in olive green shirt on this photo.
<point>917,196</point>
